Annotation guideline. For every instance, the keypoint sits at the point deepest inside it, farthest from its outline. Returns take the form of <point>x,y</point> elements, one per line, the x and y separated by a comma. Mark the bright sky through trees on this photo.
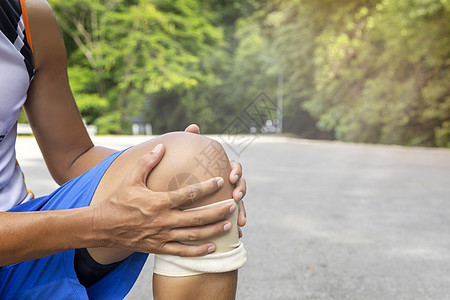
<point>373,71</point>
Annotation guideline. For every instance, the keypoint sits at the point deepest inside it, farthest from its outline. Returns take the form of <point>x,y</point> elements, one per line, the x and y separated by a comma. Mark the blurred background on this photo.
<point>374,71</point>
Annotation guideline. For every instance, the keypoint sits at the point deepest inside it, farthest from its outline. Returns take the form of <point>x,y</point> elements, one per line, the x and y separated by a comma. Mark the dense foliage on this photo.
<point>366,71</point>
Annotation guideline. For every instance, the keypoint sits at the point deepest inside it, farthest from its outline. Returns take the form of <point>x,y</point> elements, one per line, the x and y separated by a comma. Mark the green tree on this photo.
<point>134,50</point>
<point>364,71</point>
<point>369,71</point>
<point>380,72</point>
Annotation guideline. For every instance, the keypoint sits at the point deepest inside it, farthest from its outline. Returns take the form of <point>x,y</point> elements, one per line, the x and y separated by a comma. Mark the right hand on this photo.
<point>138,219</point>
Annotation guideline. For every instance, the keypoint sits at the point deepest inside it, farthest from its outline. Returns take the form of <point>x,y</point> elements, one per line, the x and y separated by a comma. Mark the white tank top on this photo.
<point>16,73</point>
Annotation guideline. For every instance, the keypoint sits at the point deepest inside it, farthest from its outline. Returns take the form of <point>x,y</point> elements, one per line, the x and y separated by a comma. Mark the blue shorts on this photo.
<point>54,277</point>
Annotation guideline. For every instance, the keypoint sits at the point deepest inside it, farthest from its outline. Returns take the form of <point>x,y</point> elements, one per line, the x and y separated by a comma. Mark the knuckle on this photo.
<point>192,193</point>
<point>198,219</point>
<point>193,236</point>
<point>143,161</point>
<point>161,200</point>
<point>160,248</point>
<point>180,252</point>
<point>225,213</point>
<point>156,206</point>
<point>174,198</point>
<point>159,224</point>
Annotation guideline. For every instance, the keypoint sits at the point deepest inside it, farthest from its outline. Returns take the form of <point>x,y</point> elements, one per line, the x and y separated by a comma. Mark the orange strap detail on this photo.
<point>25,21</point>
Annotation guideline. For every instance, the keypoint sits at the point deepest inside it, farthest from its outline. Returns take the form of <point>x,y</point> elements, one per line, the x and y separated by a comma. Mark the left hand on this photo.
<point>236,179</point>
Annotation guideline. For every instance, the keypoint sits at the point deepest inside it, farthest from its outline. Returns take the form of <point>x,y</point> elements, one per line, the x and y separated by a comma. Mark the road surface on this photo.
<point>328,220</point>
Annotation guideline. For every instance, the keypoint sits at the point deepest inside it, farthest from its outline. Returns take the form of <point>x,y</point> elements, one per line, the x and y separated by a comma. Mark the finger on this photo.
<point>192,234</point>
<point>236,171</point>
<point>146,164</point>
<point>203,216</point>
<point>242,217</point>
<point>174,248</point>
<point>191,193</point>
<point>193,128</point>
<point>240,233</point>
<point>240,190</point>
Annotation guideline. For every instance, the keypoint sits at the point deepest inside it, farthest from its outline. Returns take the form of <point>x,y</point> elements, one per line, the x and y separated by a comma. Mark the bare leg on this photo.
<point>188,158</point>
<point>206,286</point>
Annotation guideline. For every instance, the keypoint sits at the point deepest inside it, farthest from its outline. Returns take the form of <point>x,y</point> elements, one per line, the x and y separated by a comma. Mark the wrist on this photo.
<point>102,224</point>
<point>78,225</point>
<point>73,228</point>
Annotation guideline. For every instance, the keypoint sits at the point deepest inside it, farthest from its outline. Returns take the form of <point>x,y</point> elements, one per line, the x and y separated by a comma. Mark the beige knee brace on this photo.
<point>229,255</point>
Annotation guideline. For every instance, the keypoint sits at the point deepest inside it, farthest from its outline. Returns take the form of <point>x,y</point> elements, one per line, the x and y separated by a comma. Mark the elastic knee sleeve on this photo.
<point>230,254</point>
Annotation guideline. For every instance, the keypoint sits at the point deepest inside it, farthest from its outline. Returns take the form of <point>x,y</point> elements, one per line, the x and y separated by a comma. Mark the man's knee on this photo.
<point>189,159</point>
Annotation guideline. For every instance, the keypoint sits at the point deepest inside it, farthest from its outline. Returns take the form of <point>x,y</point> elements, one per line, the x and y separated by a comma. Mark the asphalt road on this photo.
<point>328,220</point>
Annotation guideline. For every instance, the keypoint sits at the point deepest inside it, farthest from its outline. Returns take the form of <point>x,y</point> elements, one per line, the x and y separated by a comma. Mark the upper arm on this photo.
<point>50,107</point>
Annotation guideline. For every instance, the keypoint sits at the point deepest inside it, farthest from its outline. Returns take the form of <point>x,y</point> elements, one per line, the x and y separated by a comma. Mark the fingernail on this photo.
<point>232,208</point>
<point>157,148</point>
<point>235,178</point>
<point>211,249</point>
<point>240,195</point>
<point>219,181</point>
<point>227,227</point>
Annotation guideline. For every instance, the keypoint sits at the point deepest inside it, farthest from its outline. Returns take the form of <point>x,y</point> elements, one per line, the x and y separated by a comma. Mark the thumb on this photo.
<point>146,164</point>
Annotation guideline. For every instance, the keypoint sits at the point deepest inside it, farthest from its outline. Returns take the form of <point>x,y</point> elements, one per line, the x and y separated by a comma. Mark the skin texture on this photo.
<point>68,152</point>
<point>221,286</point>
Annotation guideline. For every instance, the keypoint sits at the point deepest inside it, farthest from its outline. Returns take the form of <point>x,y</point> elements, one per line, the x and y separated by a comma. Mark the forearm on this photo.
<point>31,235</point>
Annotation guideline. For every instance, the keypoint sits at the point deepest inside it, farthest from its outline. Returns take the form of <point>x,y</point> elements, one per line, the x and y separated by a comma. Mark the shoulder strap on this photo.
<point>25,21</point>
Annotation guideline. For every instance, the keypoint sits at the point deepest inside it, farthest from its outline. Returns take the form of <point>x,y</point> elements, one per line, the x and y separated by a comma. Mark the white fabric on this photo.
<point>14,82</point>
<point>230,254</point>
<point>176,266</point>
